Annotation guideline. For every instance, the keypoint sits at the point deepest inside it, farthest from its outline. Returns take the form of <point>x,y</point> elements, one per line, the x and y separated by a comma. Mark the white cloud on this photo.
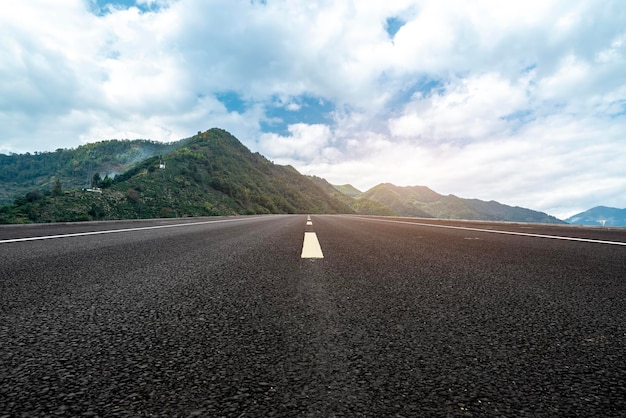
<point>305,142</point>
<point>471,107</point>
<point>522,102</point>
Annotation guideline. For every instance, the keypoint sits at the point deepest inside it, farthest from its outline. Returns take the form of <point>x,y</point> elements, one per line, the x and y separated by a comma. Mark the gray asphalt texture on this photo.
<point>226,319</point>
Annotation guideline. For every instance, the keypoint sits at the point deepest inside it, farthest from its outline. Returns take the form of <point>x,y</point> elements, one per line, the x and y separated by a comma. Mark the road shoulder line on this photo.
<point>113,231</point>
<point>497,231</point>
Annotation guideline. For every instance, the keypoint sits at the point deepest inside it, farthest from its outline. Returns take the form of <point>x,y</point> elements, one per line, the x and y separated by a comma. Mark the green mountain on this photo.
<point>364,206</point>
<point>73,168</point>
<point>211,173</point>
<point>331,190</point>
<point>600,216</point>
<point>351,196</point>
<point>349,190</point>
<point>401,200</point>
<point>420,201</point>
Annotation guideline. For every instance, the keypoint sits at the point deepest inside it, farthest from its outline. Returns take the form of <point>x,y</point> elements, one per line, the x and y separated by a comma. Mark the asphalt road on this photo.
<point>222,317</point>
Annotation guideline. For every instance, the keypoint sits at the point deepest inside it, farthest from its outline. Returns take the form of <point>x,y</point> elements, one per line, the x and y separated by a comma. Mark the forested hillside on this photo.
<point>73,168</point>
<point>421,201</point>
<point>211,174</point>
<point>352,197</point>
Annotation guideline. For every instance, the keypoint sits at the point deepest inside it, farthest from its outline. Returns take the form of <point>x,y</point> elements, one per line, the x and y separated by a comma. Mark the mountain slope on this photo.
<point>331,190</point>
<point>217,159</point>
<point>21,173</point>
<point>351,196</point>
<point>349,190</point>
<point>421,201</point>
<point>600,215</point>
<point>211,174</point>
<point>401,200</point>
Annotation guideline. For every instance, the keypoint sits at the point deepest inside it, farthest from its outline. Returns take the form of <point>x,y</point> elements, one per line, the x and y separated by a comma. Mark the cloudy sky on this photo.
<point>523,102</point>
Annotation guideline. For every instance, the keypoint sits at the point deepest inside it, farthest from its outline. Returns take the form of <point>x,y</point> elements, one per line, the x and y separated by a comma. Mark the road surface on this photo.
<point>391,317</point>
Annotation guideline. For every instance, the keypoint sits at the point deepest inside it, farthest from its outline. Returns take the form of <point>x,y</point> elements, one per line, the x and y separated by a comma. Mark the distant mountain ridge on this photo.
<point>401,200</point>
<point>211,173</point>
<point>600,216</point>
<point>352,197</point>
<point>420,201</point>
<point>349,190</point>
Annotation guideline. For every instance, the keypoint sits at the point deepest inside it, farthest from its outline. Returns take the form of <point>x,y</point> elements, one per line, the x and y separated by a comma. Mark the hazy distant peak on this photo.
<point>599,216</point>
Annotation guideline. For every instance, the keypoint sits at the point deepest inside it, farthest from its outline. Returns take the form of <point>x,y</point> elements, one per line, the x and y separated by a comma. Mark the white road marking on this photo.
<point>308,218</point>
<point>309,223</point>
<point>311,246</point>
<point>496,231</point>
<point>114,231</point>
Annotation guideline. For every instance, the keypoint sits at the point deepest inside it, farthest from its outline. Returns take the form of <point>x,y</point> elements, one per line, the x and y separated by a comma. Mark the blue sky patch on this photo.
<point>426,86</point>
<point>393,25</point>
<point>302,109</point>
<point>101,6</point>
<point>621,105</point>
<point>520,115</point>
<point>232,101</point>
<point>281,112</point>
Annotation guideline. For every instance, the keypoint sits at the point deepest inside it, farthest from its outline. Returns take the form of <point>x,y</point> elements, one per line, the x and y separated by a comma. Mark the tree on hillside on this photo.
<point>96,180</point>
<point>57,190</point>
<point>106,182</point>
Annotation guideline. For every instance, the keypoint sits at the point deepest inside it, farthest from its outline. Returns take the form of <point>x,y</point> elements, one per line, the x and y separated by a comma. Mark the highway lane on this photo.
<point>610,234</point>
<point>227,319</point>
<point>27,231</point>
